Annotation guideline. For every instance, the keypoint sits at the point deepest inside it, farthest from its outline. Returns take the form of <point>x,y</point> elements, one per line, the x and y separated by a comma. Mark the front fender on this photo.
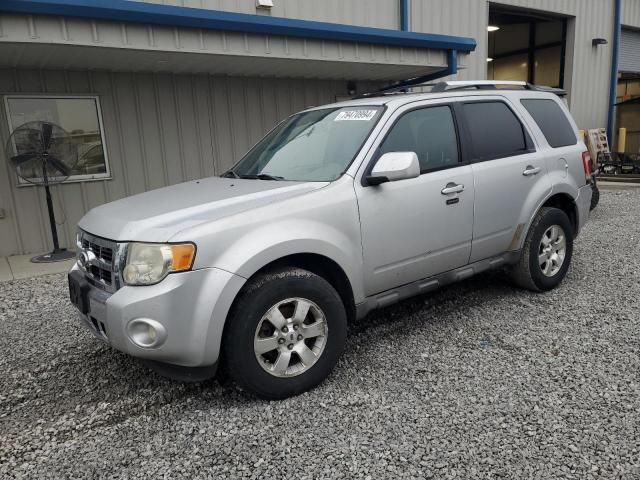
<point>246,256</point>
<point>323,222</point>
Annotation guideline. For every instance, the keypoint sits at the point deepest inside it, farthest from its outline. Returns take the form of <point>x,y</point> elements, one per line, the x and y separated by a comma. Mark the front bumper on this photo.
<point>191,306</point>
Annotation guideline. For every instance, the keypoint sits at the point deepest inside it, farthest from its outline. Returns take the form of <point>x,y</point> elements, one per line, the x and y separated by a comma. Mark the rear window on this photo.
<point>495,130</point>
<point>552,121</point>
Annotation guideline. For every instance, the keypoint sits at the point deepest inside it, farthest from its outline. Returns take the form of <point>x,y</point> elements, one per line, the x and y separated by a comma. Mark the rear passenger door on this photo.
<point>510,175</point>
<point>564,160</point>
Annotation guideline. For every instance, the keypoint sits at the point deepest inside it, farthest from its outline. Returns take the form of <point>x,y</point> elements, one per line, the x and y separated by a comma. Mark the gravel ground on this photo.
<point>479,380</point>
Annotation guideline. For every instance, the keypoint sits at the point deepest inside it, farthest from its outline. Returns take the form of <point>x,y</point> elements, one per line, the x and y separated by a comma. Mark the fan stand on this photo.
<point>57,254</point>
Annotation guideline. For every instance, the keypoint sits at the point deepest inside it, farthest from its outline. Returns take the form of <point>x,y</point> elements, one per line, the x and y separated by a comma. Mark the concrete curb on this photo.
<point>17,267</point>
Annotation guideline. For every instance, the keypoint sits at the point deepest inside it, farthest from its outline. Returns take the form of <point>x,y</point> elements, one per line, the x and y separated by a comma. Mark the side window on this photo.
<point>552,121</point>
<point>430,133</point>
<point>495,130</point>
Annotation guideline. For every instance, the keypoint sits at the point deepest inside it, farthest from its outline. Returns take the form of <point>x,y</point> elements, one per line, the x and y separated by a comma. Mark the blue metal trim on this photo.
<point>614,71</point>
<point>452,62</point>
<point>150,13</point>
<point>404,15</point>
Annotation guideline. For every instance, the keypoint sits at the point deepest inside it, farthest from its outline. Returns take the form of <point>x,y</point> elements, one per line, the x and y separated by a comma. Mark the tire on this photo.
<point>267,301</point>
<point>529,272</point>
<point>595,196</point>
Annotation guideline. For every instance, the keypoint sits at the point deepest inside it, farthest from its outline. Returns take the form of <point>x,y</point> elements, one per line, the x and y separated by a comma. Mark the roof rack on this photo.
<point>492,85</point>
<point>447,86</point>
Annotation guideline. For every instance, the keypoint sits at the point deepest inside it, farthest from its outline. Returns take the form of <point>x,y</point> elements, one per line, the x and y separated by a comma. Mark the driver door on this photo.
<point>418,227</point>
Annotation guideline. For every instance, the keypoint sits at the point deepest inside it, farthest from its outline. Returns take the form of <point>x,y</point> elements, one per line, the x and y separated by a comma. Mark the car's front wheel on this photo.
<point>285,333</point>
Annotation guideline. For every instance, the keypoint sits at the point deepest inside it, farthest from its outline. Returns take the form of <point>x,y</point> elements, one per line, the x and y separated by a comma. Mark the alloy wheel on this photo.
<point>552,250</point>
<point>290,337</point>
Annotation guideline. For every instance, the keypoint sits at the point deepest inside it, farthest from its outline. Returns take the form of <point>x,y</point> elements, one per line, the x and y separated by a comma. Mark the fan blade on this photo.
<point>24,157</point>
<point>59,165</point>
<point>46,136</point>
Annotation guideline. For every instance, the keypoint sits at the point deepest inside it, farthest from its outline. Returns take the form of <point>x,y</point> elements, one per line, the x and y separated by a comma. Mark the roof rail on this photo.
<point>447,86</point>
<point>479,84</point>
<point>492,85</point>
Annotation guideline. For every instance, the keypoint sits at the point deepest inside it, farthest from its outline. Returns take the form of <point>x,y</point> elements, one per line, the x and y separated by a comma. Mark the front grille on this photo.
<point>98,257</point>
<point>102,252</point>
<point>101,274</point>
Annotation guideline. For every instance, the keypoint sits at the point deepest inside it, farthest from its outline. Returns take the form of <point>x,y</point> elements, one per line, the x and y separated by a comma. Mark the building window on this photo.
<point>79,116</point>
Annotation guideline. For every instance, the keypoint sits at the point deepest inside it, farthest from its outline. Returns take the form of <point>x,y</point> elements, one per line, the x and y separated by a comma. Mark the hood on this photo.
<point>157,215</point>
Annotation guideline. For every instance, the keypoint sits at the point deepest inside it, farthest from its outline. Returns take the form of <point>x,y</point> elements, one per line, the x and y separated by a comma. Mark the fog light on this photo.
<point>146,333</point>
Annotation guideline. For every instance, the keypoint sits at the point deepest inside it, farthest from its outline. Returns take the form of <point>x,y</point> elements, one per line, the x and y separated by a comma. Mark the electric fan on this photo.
<point>43,154</point>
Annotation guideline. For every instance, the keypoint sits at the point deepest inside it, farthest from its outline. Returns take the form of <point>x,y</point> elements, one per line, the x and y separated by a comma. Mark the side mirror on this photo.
<point>394,166</point>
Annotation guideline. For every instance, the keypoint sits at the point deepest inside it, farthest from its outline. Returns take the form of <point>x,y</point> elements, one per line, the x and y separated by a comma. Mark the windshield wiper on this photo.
<point>230,174</point>
<point>261,176</point>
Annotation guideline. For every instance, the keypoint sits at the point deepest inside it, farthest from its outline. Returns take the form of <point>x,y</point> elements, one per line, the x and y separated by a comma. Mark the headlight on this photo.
<point>149,263</point>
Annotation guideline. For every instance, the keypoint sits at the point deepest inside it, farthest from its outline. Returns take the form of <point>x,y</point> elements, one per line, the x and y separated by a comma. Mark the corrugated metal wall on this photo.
<point>456,17</point>
<point>631,13</point>
<point>444,14</point>
<point>369,13</point>
<point>160,129</point>
<point>587,73</point>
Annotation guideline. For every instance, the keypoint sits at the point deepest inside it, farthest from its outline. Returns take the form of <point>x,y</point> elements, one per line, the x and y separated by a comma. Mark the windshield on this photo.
<point>314,146</point>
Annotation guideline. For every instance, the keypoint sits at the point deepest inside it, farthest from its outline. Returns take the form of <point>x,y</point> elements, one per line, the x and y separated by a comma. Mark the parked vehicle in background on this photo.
<point>91,159</point>
<point>339,210</point>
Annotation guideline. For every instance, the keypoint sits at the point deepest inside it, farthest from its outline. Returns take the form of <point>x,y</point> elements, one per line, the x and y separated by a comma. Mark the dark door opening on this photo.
<point>526,46</point>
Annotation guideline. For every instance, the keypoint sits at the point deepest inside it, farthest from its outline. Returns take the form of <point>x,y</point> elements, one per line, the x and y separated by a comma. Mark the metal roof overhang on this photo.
<point>67,57</point>
<point>276,46</point>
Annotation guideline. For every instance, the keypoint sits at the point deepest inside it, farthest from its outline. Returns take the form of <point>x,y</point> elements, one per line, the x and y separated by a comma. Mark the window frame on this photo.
<point>73,178</point>
<point>463,153</point>
<point>528,138</point>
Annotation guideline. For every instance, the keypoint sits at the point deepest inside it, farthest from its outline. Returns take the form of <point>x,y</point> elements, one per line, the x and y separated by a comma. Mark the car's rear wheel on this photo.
<point>547,251</point>
<point>285,333</point>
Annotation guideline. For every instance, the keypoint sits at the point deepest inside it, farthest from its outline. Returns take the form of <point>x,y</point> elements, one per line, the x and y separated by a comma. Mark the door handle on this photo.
<point>452,188</point>
<point>531,170</point>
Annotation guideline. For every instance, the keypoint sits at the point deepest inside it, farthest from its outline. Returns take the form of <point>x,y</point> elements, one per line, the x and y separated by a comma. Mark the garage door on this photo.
<point>630,51</point>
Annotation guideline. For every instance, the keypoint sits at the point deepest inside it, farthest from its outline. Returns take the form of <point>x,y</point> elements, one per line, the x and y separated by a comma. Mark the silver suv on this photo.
<point>339,210</point>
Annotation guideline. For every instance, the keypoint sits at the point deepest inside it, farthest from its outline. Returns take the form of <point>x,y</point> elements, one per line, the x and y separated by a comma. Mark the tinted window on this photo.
<point>495,130</point>
<point>552,121</point>
<point>430,133</point>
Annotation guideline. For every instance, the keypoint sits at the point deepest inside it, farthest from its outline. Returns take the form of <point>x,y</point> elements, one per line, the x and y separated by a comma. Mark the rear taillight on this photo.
<point>586,165</point>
